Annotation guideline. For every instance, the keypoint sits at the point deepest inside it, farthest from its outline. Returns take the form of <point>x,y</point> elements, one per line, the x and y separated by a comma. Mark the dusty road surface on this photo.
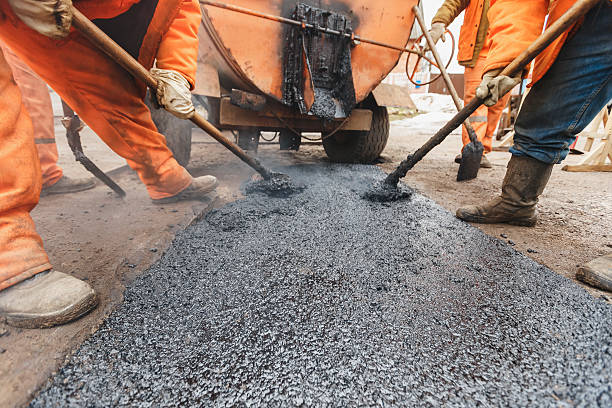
<point>111,242</point>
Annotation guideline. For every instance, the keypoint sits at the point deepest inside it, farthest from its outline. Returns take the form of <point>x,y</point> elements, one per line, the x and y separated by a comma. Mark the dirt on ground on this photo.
<point>108,241</point>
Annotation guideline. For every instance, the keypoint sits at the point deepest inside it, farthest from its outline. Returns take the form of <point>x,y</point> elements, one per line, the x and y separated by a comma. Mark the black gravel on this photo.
<point>383,192</point>
<point>278,185</point>
<point>327,299</point>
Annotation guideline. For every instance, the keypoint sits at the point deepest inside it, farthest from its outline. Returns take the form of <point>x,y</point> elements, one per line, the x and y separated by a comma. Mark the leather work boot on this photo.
<point>199,189</point>
<point>47,299</point>
<point>67,185</point>
<point>524,183</point>
<point>597,273</point>
<point>484,162</point>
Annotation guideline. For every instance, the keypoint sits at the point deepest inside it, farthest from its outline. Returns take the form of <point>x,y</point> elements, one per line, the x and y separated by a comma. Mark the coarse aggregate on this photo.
<point>327,299</point>
<point>278,185</point>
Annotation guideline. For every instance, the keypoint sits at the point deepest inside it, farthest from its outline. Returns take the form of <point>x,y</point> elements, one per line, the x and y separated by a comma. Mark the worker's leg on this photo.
<point>105,97</point>
<point>30,294</point>
<point>21,249</point>
<point>493,116</point>
<point>36,99</point>
<point>478,119</point>
<point>559,106</point>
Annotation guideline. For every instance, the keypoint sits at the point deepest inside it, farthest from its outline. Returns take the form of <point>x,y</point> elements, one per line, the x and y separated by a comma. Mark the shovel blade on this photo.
<point>470,161</point>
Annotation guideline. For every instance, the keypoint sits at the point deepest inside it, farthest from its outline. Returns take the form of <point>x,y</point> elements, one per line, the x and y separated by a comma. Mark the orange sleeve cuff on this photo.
<point>178,49</point>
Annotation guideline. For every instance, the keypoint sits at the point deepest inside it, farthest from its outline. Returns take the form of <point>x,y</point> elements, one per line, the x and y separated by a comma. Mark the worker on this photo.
<point>110,101</point>
<point>572,82</point>
<point>472,54</point>
<point>36,99</point>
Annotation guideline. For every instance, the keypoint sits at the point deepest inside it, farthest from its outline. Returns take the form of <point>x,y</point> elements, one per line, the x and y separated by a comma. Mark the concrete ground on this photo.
<point>110,242</point>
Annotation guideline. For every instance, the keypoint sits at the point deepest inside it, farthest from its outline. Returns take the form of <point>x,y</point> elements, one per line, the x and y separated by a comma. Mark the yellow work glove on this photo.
<point>173,93</point>
<point>49,17</point>
<point>493,86</point>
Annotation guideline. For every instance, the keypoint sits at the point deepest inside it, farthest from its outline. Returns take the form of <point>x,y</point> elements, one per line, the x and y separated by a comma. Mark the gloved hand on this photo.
<point>49,17</point>
<point>437,33</point>
<point>494,87</point>
<point>173,93</point>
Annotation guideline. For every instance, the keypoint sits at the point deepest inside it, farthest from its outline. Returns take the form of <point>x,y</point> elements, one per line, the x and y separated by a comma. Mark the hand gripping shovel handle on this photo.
<point>119,55</point>
<point>516,67</point>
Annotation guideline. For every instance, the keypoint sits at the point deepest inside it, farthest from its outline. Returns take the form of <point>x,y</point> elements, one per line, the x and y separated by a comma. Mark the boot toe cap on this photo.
<point>56,298</point>
<point>467,213</point>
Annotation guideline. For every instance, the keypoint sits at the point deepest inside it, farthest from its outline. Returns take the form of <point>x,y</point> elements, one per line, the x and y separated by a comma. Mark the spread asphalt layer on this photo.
<point>326,299</point>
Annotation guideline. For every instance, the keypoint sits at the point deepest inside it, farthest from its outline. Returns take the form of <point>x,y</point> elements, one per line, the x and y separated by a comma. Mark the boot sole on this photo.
<point>483,220</point>
<point>69,314</point>
<point>205,195</point>
<point>488,166</point>
<point>594,280</point>
<point>44,193</point>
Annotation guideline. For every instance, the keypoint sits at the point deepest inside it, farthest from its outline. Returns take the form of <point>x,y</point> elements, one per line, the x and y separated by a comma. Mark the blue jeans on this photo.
<point>570,95</point>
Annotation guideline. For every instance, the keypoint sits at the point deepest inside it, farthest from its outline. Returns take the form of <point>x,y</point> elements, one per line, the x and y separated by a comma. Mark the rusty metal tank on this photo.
<point>248,52</point>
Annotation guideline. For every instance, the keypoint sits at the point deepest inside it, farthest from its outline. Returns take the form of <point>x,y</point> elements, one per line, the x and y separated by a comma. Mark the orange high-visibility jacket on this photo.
<point>171,37</point>
<point>514,24</point>
<point>474,29</point>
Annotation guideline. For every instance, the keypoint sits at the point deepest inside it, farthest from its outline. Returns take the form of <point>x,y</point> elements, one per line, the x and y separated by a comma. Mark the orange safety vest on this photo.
<point>469,30</point>
<point>516,24</point>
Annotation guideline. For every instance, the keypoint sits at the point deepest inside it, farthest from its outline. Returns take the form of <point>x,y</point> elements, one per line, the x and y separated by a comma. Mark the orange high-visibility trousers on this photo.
<point>36,99</point>
<point>104,95</point>
<point>21,250</point>
<point>484,120</point>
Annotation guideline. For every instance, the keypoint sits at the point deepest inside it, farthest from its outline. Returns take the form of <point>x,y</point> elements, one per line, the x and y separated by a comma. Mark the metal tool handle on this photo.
<point>443,71</point>
<point>73,125</point>
<point>119,55</point>
<point>516,67</point>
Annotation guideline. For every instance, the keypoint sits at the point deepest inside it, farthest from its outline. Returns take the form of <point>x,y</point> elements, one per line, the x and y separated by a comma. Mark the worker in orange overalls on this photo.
<point>473,50</point>
<point>36,99</point>
<point>110,101</point>
<point>572,83</point>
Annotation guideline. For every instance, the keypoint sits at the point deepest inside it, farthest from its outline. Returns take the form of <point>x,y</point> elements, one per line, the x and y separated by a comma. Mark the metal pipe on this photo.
<point>305,25</point>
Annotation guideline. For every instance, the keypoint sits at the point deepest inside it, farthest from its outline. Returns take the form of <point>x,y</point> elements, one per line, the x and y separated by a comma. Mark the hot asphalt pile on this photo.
<point>326,299</point>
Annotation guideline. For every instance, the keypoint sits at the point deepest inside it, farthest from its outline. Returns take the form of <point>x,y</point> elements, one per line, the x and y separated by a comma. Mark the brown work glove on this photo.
<point>49,17</point>
<point>173,93</point>
<point>494,86</point>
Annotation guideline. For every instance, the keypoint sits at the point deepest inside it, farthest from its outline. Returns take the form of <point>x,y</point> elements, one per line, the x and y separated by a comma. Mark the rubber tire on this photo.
<point>360,147</point>
<point>176,131</point>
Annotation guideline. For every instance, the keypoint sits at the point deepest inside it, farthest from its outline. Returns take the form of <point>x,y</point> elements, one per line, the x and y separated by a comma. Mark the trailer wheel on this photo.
<point>176,131</point>
<point>357,146</point>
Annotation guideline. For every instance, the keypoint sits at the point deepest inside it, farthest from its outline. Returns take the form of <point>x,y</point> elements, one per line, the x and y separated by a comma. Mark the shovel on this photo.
<point>577,10</point>
<point>472,152</point>
<point>119,55</point>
